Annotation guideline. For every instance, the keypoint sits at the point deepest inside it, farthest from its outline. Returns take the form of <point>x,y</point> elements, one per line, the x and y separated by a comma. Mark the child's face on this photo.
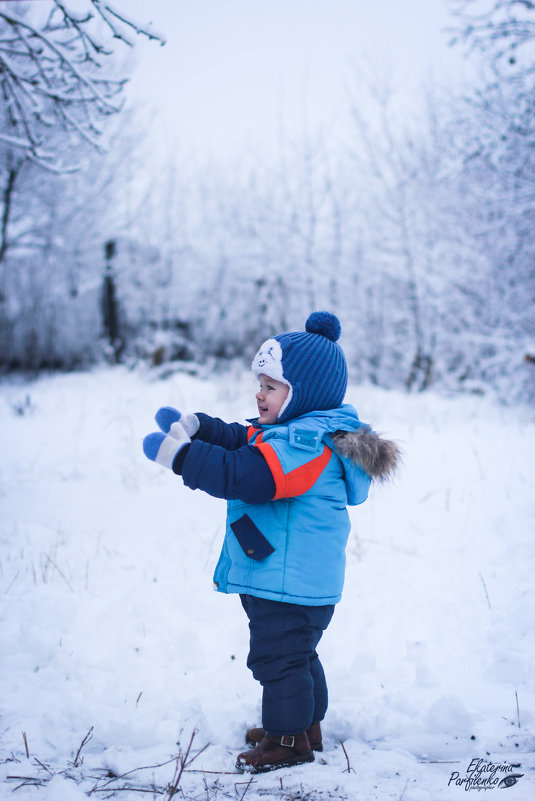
<point>270,398</point>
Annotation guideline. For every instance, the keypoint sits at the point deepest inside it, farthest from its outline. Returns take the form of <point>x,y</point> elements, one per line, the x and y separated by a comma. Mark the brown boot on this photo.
<point>274,752</point>
<point>254,736</point>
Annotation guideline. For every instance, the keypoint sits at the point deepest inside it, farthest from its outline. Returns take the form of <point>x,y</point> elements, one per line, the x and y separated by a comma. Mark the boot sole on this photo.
<point>288,763</point>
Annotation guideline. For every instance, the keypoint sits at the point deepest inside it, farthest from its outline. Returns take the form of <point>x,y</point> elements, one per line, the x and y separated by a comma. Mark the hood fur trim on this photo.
<point>378,457</point>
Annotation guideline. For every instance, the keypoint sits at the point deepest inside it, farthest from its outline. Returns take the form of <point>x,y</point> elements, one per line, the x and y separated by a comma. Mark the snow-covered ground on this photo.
<point>109,624</point>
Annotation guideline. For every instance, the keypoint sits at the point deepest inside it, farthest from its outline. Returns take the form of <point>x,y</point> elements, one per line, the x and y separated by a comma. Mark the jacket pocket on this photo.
<point>251,540</point>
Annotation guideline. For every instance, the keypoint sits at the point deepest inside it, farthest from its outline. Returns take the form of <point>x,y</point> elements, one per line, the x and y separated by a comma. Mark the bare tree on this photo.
<point>52,272</point>
<point>506,28</point>
<point>57,91</point>
<point>500,150</point>
<point>503,32</point>
<point>399,177</point>
<point>56,74</point>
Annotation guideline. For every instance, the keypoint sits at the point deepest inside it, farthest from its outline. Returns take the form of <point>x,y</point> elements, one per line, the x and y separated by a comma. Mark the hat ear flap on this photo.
<point>287,401</point>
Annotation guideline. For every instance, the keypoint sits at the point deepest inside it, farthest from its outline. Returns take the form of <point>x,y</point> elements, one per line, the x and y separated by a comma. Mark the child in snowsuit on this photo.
<point>288,478</point>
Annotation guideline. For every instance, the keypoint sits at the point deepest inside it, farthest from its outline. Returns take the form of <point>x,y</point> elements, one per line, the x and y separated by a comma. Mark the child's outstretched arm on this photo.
<point>239,473</point>
<point>202,426</point>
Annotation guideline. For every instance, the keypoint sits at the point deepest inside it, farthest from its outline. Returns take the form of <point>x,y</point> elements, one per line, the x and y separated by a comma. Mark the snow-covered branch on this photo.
<point>56,71</point>
<point>502,26</point>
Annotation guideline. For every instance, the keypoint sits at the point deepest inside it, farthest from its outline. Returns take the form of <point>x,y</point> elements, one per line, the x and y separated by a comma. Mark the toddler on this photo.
<point>288,478</point>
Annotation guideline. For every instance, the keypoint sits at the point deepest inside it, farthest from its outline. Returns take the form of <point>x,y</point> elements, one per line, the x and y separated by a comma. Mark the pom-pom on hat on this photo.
<point>311,362</point>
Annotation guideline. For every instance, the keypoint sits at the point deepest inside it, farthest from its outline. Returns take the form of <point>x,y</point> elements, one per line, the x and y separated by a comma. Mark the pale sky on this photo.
<point>233,71</point>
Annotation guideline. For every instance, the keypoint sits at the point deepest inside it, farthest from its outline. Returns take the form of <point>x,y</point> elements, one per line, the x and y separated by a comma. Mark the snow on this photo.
<point>110,628</point>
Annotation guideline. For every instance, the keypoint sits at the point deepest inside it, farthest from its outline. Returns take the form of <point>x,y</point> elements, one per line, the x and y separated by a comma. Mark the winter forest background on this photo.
<point>134,275</point>
<point>419,234</point>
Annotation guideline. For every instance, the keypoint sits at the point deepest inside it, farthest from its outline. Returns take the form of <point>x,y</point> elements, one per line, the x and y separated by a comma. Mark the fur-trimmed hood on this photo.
<point>355,442</point>
<point>365,455</point>
<point>378,457</point>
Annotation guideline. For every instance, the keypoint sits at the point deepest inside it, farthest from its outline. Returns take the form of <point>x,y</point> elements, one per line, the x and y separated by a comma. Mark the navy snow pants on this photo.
<point>283,659</point>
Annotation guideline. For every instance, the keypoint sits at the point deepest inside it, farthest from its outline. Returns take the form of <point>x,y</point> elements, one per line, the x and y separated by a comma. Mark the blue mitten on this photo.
<point>163,448</point>
<point>167,415</point>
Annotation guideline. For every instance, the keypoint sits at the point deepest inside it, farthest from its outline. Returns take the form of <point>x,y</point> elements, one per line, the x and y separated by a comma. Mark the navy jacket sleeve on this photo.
<point>240,474</point>
<point>229,435</point>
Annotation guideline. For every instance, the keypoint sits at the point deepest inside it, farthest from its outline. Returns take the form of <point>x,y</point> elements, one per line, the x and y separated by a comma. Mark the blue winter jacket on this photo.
<point>287,488</point>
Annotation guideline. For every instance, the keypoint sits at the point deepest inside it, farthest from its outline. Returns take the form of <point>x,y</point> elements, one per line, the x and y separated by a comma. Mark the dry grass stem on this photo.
<point>485,588</point>
<point>63,576</point>
<point>13,580</point>
<point>246,788</point>
<point>77,760</point>
<point>217,772</point>
<point>182,762</point>
<point>105,786</point>
<point>403,791</point>
<point>43,766</point>
<point>31,781</point>
<point>152,790</point>
<point>349,768</point>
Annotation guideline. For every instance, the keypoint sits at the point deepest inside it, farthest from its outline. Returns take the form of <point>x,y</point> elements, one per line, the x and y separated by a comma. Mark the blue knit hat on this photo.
<point>311,362</point>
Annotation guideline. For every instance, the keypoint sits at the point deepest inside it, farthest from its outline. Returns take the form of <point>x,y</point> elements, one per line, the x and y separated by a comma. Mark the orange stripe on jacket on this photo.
<point>251,431</point>
<point>298,481</point>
